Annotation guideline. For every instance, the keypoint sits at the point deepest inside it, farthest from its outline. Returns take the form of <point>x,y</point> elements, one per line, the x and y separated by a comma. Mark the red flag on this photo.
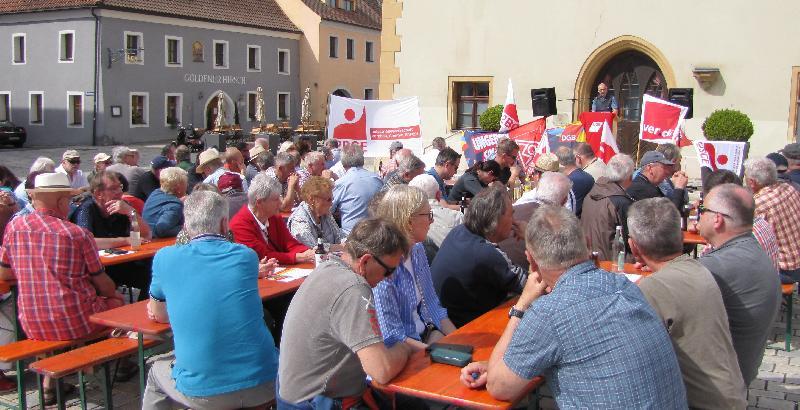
<point>509,120</point>
<point>683,140</point>
<point>528,137</point>
<point>661,120</point>
<point>608,144</point>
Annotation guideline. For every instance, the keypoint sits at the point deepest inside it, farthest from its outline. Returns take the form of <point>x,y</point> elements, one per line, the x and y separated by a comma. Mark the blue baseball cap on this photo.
<point>161,162</point>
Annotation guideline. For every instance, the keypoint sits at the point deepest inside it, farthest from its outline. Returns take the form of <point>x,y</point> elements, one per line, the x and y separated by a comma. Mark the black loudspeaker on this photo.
<point>215,140</point>
<point>684,97</point>
<point>544,101</point>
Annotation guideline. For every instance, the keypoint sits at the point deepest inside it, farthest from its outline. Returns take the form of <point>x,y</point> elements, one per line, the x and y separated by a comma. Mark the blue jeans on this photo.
<point>319,402</point>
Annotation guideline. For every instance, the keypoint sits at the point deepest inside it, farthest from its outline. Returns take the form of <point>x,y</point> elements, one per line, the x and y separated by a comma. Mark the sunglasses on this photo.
<point>74,161</point>
<point>702,209</point>
<point>388,271</point>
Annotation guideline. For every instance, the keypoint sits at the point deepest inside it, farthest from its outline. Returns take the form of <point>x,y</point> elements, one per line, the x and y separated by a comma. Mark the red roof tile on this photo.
<point>254,13</point>
<point>367,13</point>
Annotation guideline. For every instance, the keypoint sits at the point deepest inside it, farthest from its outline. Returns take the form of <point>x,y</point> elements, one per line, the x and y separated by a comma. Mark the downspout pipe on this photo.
<point>97,57</point>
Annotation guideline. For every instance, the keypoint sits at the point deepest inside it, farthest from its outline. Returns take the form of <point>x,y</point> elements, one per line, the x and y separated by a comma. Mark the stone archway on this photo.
<point>341,92</point>
<point>210,109</point>
<point>584,84</point>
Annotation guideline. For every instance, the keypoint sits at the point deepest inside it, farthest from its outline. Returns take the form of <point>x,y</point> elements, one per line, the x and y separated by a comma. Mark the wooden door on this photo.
<point>629,76</point>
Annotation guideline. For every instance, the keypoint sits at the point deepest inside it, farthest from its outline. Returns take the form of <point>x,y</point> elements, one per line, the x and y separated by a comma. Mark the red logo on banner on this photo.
<point>528,137</point>
<point>661,120</point>
<point>352,130</point>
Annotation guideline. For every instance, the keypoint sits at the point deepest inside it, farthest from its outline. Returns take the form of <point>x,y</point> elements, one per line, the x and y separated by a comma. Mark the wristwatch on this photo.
<point>514,312</point>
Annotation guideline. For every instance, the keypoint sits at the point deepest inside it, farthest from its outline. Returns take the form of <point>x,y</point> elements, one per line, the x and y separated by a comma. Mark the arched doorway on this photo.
<point>631,67</point>
<point>211,110</point>
<point>629,76</point>
<point>341,92</point>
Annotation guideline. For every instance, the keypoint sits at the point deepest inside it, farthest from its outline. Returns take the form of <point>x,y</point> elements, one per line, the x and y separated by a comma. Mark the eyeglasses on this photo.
<point>429,214</point>
<point>702,209</point>
<point>388,271</point>
<point>74,161</point>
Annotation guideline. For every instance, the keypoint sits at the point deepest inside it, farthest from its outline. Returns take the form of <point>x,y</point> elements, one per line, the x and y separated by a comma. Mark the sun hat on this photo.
<point>52,182</point>
<point>205,157</point>
<point>547,162</point>
<point>101,157</point>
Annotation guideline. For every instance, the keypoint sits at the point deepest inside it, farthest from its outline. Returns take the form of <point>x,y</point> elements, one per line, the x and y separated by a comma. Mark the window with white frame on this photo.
<point>18,48</point>
<point>252,105</point>
<point>351,49</point>
<point>253,58</point>
<point>283,106</point>
<point>220,54</point>
<point>283,61</point>
<point>5,106</point>
<point>173,109</point>
<point>134,50</point>
<point>36,108</point>
<point>173,51</point>
<point>66,46</point>
<point>333,43</point>
<point>74,109</point>
<point>369,50</point>
<point>139,109</point>
<point>369,94</point>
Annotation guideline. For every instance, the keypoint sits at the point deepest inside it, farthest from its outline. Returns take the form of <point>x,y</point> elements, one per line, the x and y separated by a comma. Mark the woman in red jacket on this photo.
<point>260,226</point>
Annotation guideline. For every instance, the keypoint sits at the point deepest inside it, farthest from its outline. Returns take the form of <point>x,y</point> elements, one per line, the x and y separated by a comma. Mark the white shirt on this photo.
<point>76,181</point>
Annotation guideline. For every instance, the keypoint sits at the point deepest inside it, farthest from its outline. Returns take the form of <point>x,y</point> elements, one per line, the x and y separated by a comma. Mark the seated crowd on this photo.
<point>408,261</point>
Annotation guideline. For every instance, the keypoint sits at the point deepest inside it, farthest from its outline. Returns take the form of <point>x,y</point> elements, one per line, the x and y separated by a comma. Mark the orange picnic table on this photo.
<point>147,250</point>
<point>693,238</point>
<point>440,382</point>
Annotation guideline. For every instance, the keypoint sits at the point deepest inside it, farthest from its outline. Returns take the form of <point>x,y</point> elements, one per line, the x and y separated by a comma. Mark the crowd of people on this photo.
<point>412,254</point>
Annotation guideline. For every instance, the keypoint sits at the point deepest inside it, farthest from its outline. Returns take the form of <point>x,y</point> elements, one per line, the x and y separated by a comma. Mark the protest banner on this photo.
<point>593,127</point>
<point>716,155</point>
<point>479,146</point>
<point>375,124</point>
<point>661,120</point>
<point>531,144</point>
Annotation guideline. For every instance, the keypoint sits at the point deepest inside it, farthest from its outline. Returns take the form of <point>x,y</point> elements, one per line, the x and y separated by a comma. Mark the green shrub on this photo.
<point>728,125</point>
<point>490,119</point>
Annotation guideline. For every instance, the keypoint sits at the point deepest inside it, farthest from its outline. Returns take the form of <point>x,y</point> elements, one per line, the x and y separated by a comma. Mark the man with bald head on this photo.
<point>745,274</point>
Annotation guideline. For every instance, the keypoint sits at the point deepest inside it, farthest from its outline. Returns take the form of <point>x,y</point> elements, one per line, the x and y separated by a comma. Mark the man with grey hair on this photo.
<point>353,191</point>
<point>407,168</point>
<point>606,206</point>
<point>688,300</point>
<point>745,274</point>
<point>779,204</point>
<point>260,226</point>
<point>582,182</point>
<point>444,219</point>
<point>584,156</point>
<point>470,273</point>
<point>333,145</point>
<point>593,337</point>
<point>126,163</point>
<point>284,172</point>
<point>313,164</point>
<point>553,189</point>
<point>211,366</point>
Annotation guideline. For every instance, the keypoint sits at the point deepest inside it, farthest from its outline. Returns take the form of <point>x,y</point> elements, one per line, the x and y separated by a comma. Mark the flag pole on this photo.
<point>638,146</point>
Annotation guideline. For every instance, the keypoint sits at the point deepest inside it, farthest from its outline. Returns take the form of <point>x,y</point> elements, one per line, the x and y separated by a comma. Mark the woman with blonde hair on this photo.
<point>312,219</point>
<point>408,308</point>
<point>163,210</point>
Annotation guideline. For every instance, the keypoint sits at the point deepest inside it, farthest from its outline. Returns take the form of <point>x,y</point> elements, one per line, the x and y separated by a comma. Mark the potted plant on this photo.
<point>727,125</point>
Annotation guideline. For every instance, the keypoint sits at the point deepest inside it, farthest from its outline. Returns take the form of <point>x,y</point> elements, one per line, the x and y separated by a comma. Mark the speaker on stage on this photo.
<point>215,140</point>
<point>544,101</point>
<point>684,97</point>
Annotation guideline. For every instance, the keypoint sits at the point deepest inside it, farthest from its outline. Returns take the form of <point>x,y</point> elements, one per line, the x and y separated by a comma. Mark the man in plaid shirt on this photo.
<point>779,204</point>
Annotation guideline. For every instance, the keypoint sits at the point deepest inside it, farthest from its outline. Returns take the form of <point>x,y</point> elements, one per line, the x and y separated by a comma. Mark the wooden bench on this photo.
<point>74,361</point>
<point>787,289</point>
<point>18,352</point>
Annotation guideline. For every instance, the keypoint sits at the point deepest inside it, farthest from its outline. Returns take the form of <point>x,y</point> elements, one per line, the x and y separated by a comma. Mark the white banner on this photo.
<point>375,124</point>
<point>721,155</point>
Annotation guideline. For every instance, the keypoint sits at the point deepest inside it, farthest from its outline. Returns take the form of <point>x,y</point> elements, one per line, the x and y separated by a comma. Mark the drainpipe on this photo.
<point>97,57</point>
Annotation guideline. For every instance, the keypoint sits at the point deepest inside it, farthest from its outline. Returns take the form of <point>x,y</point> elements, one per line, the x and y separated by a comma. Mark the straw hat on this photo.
<point>255,151</point>
<point>52,182</point>
<point>207,156</point>
<point>101,157</point>
<point>546,162</point>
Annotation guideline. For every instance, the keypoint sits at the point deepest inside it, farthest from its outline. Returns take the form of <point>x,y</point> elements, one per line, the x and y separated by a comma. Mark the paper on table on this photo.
<point>633,277</point>
<point>290,274</point>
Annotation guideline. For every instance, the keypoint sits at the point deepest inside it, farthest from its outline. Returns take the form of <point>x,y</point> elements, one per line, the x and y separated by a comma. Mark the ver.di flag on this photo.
<point>509,120</point>
<point>661,120</point>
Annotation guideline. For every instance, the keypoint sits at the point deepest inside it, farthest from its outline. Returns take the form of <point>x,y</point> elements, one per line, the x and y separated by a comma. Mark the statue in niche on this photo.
<point>197,52</point>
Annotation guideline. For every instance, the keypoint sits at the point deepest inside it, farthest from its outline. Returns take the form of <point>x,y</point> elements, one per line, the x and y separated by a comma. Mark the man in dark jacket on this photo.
<point>606,206</point>
<point>655,168</point>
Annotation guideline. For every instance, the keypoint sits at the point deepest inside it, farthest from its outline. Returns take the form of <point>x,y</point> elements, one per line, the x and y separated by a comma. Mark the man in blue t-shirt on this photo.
<point>207,291</point>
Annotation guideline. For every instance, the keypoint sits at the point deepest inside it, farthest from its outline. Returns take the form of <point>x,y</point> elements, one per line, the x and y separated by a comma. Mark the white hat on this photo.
<point>52,182</point>
<point>256,150</point>
<point>101,157</point>
<point>206,157</point>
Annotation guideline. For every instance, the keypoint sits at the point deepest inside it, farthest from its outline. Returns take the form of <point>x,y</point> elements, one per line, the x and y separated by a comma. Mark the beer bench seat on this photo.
<point>22,350</point>
<point>74,361</point>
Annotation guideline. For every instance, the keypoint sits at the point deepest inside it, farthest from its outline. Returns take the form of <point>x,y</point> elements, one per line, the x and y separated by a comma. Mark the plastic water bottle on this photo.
<point>319,253</point>
<point>618,251</point>
<point>136,239</point>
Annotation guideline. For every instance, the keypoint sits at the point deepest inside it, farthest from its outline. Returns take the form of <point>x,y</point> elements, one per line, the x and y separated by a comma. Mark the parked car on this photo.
<point>11,134</point>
